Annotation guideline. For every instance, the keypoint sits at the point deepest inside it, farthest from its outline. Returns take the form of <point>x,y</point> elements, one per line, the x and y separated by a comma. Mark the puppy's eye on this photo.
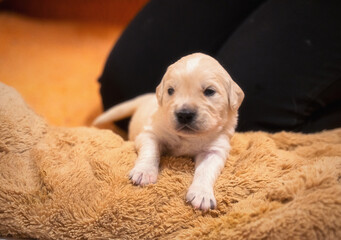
<point>209,92</point>
<point>170,91</point>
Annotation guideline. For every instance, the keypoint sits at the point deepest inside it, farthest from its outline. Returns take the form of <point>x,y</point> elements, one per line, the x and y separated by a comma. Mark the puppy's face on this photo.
<point>196,95</point>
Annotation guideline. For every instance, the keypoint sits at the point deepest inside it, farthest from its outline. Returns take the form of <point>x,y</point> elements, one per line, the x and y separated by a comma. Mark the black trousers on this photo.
<point>285,55</point>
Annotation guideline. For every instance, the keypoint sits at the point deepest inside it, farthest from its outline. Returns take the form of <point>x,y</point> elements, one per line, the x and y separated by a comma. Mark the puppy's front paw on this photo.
<point>143,175</point>
<point>201,197</point>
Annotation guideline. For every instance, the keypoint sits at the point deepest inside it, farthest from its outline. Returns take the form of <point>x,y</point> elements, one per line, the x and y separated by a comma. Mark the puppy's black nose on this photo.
<point>185,116</point>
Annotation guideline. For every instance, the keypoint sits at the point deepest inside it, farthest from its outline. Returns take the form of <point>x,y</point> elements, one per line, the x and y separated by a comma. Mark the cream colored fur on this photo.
<point>156,129</point>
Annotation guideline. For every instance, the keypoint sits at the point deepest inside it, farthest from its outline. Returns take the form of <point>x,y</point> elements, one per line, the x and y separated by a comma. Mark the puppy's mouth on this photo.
<point>186,128</point>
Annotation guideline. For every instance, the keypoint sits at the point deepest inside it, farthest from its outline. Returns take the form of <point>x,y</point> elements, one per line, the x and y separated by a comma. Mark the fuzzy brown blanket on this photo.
<point>71,183</point>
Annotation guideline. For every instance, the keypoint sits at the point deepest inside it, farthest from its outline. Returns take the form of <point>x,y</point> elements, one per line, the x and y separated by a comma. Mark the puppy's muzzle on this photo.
<point>185,116</point>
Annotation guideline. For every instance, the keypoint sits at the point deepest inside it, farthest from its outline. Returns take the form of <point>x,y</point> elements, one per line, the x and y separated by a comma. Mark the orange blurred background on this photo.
<point>53,52</point>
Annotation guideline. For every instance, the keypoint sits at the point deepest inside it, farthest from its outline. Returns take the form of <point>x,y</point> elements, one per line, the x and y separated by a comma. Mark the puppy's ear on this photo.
<point>159,93</point>
<point>235,95</point>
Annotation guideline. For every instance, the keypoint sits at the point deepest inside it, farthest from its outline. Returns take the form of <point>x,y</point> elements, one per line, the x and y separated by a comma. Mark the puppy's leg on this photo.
<point>208,166</point>
<point>147,164</point>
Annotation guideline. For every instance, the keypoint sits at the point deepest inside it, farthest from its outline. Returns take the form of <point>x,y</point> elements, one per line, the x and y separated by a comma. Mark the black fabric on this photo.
<point>285,55</point>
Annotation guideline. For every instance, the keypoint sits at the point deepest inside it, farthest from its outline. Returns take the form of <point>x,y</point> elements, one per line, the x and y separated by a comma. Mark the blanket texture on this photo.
<point>71,183</point>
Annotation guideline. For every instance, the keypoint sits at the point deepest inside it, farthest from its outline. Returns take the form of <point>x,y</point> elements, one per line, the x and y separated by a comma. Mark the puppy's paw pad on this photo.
<point>143,176</point>
<point>201,198</point>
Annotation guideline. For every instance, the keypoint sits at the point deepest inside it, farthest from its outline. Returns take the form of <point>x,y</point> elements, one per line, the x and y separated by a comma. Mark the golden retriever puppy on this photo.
<point>194,113</point>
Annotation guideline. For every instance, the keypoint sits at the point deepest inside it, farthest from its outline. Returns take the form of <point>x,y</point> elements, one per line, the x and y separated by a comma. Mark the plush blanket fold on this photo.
<point>71,183</point>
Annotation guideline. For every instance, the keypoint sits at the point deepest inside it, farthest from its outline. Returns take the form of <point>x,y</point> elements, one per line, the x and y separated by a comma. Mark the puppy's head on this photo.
<point>197,95</point>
